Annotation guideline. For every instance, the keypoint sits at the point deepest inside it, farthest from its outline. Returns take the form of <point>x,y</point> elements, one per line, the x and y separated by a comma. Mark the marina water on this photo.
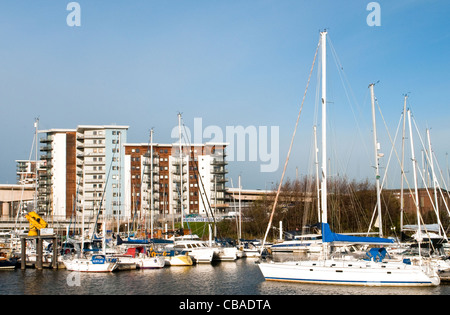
<point>240,277</point>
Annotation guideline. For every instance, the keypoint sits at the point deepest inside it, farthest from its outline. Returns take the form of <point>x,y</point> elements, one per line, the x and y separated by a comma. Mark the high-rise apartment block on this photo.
<point>57,185</point>
<point>94,169</point>
<point>99,164</point>
<point>202,174</point>
<point>82,171</point>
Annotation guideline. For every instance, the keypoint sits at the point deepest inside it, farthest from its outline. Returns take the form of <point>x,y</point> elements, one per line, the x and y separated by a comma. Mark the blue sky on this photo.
<point>229,62</point>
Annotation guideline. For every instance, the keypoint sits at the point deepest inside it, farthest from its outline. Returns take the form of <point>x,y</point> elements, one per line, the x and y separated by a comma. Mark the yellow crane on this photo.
<point>36,223</point>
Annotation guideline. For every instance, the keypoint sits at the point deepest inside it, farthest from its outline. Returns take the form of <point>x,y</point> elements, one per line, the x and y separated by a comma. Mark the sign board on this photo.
<point>46,231</point>
<point>98,259</point>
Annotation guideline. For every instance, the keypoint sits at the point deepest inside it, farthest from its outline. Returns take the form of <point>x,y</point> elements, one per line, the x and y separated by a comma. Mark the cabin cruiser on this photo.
<point>197,249</point>
<point>307,242</point>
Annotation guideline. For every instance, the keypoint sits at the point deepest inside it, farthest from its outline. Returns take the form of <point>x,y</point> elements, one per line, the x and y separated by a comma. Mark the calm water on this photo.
<point>241,277</point>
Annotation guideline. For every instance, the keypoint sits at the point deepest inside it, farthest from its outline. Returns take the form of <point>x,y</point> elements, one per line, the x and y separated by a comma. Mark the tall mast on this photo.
<point>240,210</point>
<point>181,172</point>
<point>316,159</point>
<point>151,182</point>
<point>430,154</point>
<point>413,158</point>
<point>376,148</point>
<point>36,126</point>
<point>402,200</point>
<point>323,36</point>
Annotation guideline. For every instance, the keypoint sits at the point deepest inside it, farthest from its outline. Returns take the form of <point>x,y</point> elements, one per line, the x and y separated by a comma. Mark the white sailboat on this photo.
<point>94,263</point>
<point>371,272</point>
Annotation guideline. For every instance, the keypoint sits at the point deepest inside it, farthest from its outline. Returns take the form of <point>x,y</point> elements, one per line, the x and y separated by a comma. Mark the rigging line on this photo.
<point>289,152</point>
<point>195,169</point>
<point>445,185</point>
<point>432,203</point>
<point>234,205</point>
<point>21,210</point>
<point>342,76</point>
<point>187,141</point>
<point>396,153</point>
<point>424,180</point>
<point>390,156</point>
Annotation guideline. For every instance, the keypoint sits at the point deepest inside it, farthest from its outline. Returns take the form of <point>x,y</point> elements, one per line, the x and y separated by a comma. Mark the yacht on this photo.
<point>197,249</point>
<point>95,263</point>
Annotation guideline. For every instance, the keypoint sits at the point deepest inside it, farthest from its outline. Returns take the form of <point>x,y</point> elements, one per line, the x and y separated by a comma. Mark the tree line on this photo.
<point>351,209</point>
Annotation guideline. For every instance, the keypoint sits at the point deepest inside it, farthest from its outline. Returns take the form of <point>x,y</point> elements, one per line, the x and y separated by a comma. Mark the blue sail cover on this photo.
<point>328,237</point>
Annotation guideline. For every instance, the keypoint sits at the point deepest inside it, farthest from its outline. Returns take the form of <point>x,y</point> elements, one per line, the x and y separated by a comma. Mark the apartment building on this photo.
<point>99,166</point>
<point>57,178</point>
<point>82,169</point>
<point>201,168</point>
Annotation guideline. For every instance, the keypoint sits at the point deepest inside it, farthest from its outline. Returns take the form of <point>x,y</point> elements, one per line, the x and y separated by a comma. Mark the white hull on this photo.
<point>178,260</point>
<point>202,255</point>
<point>362,273</point>
<point>86,265</point>
<point>198,250</point>
<point>151,262</point>
<point>142,262</point>
<point>227,254</point>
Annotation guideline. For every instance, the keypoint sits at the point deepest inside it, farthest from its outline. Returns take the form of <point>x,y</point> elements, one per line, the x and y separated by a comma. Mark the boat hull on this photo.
<point>179,260</point>
<point>91,265</point>
<point>349,273</point>
<point>226,254</point>
<point>8,264</point>
<point>156,262</point>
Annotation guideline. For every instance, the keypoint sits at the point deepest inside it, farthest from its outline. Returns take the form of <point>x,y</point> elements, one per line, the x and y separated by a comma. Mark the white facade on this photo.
<point>58,162</point>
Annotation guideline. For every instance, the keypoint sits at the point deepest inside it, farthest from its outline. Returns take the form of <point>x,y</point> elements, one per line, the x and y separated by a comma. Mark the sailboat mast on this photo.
<point>323,36</point>
<point>402,200</point>
<point>36,127</point>
<point>151,182</point>
<point>316,161</point>
<point>377,171</point>
<point>430,154</point>
<point>413,158</point>
<point>240,209</point>
<point>181,172</point>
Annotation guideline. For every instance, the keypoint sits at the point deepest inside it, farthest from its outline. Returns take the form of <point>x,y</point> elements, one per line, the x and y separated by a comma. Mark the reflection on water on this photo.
<point>241,277</point>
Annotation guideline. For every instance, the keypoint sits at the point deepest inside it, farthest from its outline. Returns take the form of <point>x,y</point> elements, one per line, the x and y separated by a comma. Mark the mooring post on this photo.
<point>55,253</point>
<point>23,260</point>
<point>39,252</point>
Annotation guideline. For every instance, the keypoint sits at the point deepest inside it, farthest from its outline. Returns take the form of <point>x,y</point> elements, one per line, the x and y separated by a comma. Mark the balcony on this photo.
<point>47,139</point>
<point>94,145</point>
<point>92,136</point>
<point>219,162</point>
<point>218,170</point>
